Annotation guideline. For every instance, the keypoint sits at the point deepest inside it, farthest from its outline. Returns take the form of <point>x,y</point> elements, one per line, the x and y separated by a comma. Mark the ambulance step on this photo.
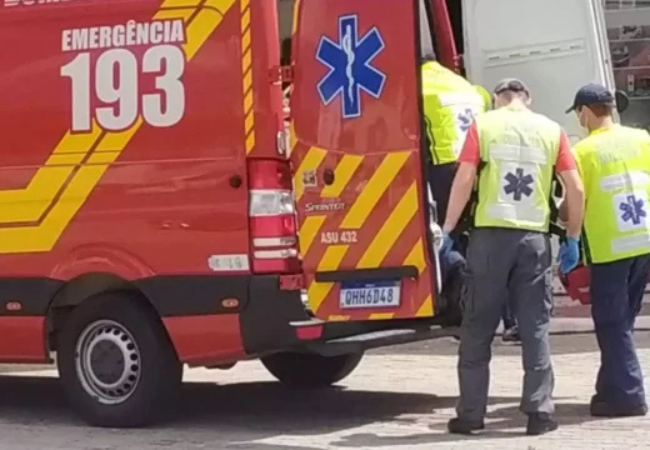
<point>377,339</point>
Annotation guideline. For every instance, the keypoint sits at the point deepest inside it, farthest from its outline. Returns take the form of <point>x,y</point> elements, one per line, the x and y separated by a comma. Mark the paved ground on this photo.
<point>399,398</point>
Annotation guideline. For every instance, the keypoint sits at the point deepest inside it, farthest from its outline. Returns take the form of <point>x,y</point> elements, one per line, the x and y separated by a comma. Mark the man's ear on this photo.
<point>528,101</point>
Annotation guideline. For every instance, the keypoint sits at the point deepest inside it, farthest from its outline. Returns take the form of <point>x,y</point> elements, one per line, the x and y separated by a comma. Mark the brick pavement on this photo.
<point>399,398</point>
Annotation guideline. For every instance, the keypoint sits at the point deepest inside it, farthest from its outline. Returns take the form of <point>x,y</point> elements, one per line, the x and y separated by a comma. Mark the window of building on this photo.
<point>628,31</point>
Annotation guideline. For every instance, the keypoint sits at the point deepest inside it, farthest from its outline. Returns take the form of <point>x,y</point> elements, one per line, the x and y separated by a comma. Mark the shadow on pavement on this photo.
<point>232,415</point>
<point>505,423</point>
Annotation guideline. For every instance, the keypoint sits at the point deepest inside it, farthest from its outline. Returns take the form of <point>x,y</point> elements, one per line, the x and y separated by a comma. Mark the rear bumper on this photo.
<point>275,320</point>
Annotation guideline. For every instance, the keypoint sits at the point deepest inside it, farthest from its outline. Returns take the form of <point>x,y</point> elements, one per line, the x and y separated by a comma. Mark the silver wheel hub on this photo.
<point>107,361</point>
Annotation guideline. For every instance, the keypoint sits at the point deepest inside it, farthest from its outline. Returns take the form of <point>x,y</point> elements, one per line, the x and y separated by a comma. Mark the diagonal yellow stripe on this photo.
<point>250,142</point>
<point>391,230</point>
<point>168,14</point>
<point>381,316</point>
<point>337,318</point>
<point>65,159</point>
<point>378,184</point>
<point>426,310</point>
<point>342,175</point>
<point>180,3</point>
<point>311,161</point>
<point>294,20</point>
<point>308,231</point>
<point>416,257</point>
<point>44,236</point>
<point>199,30</point>
<point>330,261</point>
<point>30,203</point>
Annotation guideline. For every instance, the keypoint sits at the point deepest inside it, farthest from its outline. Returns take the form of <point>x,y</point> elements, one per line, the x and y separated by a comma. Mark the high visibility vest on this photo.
<point>450,105</point>
<point>615,167</point>
<point>518,151</point>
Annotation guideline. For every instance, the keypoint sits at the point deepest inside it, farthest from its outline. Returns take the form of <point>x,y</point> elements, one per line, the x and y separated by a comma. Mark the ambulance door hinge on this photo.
<point>281,74</point>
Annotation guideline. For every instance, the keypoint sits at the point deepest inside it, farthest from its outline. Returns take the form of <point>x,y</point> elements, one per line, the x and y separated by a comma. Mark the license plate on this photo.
<point>376,294</point>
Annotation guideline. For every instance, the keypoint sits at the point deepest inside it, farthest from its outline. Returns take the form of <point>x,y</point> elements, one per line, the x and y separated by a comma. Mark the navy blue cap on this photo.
<point>592,94</point>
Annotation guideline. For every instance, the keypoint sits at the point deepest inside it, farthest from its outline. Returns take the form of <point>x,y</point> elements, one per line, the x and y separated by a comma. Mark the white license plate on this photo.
<point>377,294</point>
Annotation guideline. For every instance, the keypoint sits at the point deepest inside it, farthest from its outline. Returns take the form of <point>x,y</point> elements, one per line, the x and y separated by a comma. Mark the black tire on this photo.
<point>153,379</point>
<point>310,370</point>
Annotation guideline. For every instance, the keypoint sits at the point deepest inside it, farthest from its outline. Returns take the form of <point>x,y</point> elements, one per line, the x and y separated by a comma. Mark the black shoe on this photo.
<point>539,424</point>
<point>599,408</point>
<point>460,426</point>
<point>511,335</point>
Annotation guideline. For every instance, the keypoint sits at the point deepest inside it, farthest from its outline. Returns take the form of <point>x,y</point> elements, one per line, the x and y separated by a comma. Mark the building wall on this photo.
<point>628,31</point>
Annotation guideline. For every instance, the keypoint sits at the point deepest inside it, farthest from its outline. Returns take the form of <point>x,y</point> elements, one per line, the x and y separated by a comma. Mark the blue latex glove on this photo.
<point>447,243</point>
<point>569,255</point>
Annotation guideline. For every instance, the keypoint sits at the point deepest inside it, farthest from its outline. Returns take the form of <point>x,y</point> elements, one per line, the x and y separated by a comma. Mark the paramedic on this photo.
<point>614,162</point>
<point>450,104</point>
<point>513,152</point>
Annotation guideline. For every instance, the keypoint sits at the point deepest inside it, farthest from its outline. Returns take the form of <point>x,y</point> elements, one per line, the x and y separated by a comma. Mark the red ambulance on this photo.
<point>154,212</point>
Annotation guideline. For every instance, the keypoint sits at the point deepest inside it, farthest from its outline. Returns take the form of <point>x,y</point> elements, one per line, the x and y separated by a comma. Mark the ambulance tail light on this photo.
<point>272,217</point>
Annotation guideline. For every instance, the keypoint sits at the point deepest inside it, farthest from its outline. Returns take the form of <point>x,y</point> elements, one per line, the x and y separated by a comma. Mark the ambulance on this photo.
<point>155,213</point>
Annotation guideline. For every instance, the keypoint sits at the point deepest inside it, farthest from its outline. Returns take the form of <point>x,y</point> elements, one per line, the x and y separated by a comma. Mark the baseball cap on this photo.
<point>511,84</point>
<point>591,94</point>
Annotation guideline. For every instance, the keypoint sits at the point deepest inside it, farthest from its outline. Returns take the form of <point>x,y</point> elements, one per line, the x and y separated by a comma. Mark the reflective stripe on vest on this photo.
<point>450,105</point>
<point>519,149</point>
<point>615,167</point>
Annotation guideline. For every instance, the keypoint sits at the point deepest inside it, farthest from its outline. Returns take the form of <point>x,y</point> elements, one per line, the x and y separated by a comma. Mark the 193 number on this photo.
<point>117,88</point>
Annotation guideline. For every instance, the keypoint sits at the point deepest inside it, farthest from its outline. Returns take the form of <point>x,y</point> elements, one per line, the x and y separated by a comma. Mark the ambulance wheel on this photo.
<point>310,370</point>
<point>116,362</point>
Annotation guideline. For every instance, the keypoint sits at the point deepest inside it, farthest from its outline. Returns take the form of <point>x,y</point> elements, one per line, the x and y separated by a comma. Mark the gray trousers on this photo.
<point>506,264</point>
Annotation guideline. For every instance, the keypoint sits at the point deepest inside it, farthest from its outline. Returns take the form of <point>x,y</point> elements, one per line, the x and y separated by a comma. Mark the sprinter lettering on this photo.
<point>123,35</point>
<point>116,88</point>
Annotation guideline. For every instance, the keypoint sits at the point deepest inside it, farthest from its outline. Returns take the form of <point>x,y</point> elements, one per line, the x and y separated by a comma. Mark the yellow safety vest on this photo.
<point>450,105</point>
<point>519,149</point>
<point>615,167</point>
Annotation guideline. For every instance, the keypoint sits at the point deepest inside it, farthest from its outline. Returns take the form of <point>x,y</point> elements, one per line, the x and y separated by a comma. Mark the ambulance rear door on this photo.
<point>358,170</point>
<point>554,46</point>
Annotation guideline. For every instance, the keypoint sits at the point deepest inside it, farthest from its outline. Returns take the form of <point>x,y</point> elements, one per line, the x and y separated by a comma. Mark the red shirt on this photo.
<point>471,151</point>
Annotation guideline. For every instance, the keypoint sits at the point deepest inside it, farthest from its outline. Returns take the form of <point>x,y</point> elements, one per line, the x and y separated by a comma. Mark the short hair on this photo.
<point>601,109</point>
<point>509,95</point>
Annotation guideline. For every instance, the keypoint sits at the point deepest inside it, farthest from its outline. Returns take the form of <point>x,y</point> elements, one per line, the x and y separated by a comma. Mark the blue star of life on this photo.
<point>466,120</point>
<point>518,184</point>
<point>350,70</point>
<point>632,210</point>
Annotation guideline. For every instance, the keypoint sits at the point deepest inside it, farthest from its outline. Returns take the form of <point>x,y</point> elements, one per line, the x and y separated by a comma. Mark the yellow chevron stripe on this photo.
<point>335,318</point>
<point>378,184</point>
<point>311,161</point>
<point>247,71</point>
<point>391,230</point>
<point>308,232</point>
<point>317,292</point>
<point>344,171</point>
<point>179,4</point>
<point>381,316</point>
<point>168,14</point>
<point>416,257</point>
<point>30,203</point>
<point>104,157</point>
<point>44,184</point>
<point>70,159</point>
<point>294,21</point>
<point>426,310</point>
